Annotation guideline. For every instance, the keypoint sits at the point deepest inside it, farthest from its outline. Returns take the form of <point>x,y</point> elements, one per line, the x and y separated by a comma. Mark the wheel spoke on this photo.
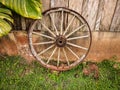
<point>40,34</point>
<point>48,29</point>
<point>46,50</point>
<point>52,55</point>
<point>62,24</point>
<point>73,52</point>
<point>75,30</point>
<point>69,25</point>
<point>77,46</point>
<point>80,37</point>
<point>82,57</point>
<point>66,57</point>
<point>41,43</point>
<point>58,61</point>
<point>53,22</point>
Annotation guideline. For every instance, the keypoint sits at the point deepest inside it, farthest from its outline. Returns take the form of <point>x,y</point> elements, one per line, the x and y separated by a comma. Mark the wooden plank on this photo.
<point>99,16</point>
<point>76,5</point>
<point>28,22</point>
<point>105,14</point>
<point>45,4</point>
<point>89,12</point>
<point>59,3</point>
<point>23,23</point>
<point>115,26</point>
<point>57,16</point>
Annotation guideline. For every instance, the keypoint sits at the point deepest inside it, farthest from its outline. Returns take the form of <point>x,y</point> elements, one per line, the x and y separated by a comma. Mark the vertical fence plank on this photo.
<point>59,3</point>
<point>28,22</point>
<point>23,23</point>
<point>89,12</point>
<point>99,16</point>
<point>115,26</point>
<point>105,14</point>
<point>57,16</point>
<point>76,5</point>
<point>45,4</point>
<point>108,12</point>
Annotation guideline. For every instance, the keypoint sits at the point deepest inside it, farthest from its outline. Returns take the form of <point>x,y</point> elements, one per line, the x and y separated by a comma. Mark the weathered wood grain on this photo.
<point>23,23</point>
<point>115,26</point>
<point>58,16</point>
<point>102,15</point>
<point>59,3</point>
<point>45,4</point>
<point>105,14</point>
<point>76,5</point>
<point>99,15</point>
<point>89,12</point>
<point>28,22</point>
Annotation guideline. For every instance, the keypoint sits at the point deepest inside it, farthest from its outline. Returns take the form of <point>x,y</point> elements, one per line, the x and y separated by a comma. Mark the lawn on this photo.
<point>16,74</point>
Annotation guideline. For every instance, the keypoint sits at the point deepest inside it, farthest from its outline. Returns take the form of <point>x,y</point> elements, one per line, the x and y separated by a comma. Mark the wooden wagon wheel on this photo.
<point>61,40</point>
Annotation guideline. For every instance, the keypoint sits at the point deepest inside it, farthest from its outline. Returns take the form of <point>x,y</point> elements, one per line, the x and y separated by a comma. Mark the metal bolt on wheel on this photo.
<point>61,40</point>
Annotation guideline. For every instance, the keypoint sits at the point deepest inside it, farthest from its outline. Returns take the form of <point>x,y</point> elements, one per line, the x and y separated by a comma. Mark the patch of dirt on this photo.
<point>91,70</point>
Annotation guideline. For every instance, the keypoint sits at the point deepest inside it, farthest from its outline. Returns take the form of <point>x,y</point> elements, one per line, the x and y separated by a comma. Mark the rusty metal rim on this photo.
<point>52,66</point>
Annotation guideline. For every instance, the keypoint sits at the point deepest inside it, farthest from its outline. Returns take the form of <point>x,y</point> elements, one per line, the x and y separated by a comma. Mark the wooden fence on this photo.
<point>102,15</point>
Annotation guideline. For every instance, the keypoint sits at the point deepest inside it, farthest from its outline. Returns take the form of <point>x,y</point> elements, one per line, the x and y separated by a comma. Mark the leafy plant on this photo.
<point>25,8</point>
<point>5,16</point>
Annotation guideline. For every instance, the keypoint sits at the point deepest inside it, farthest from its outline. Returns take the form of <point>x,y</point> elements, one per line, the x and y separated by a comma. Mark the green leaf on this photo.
<point>5,16</point>
<point>4,27</point>
<point>6,11</point>
<point>1,4</point>
<point>26,8</point>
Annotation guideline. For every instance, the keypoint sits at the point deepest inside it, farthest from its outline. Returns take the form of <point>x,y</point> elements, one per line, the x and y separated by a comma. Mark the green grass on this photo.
<point>16,74</point>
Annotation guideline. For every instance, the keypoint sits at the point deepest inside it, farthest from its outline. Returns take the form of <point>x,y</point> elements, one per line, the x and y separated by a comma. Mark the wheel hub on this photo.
<point>60,41</point>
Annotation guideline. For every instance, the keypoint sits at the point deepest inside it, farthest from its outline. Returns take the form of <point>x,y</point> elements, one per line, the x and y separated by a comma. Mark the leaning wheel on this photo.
<point>61,40</point>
